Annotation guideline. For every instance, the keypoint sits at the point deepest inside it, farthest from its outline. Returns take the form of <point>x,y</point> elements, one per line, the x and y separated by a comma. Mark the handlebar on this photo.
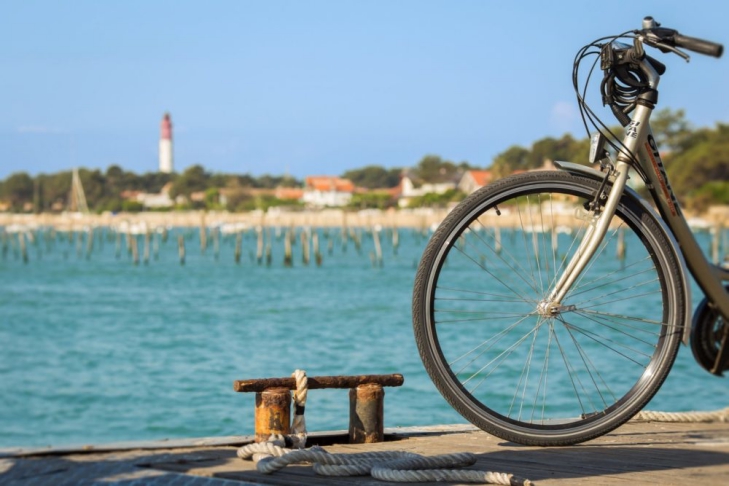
<point>698,45</point>
<point>668,40</point>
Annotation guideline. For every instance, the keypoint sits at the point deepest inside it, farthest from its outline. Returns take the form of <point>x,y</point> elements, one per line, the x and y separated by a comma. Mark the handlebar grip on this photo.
<point>698,45</point>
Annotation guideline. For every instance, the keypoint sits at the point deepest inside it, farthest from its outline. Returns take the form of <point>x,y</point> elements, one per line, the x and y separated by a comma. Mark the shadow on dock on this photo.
<point>637,452</point>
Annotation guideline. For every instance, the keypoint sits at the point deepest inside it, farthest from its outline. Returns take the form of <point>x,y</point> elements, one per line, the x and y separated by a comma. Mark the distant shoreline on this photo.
<point>422,218</point>
<point>415,218</point>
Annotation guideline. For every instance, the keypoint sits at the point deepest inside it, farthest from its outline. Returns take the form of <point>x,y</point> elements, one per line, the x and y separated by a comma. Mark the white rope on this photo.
<point>393,466</point>
<point>685,417</point>
<point>298,424</point>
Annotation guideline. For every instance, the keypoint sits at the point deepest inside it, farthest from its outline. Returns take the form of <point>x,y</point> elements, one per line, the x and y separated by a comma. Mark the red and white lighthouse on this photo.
<point>165,145</point>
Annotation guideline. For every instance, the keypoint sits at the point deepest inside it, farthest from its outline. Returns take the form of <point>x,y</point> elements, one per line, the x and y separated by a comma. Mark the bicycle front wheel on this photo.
<point>554,379</point>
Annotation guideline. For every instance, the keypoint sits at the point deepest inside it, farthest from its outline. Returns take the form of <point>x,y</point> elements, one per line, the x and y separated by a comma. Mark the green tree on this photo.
<point>193,179</point>
<point>56,189</point>
<point>212,198</point>
<point>671,129</point>
<point>18,190</point>
<point>93,182</point>
<point>372,200</point>
<point>432,168</point>
<point>705,160</point>
<point>513,158</point>
<point>566,148</point>
<point>373,177</point>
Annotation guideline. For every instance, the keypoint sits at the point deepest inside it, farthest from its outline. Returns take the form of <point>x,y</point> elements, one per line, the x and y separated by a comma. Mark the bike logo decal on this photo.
<point>655,157</point>
<point>632,130</point>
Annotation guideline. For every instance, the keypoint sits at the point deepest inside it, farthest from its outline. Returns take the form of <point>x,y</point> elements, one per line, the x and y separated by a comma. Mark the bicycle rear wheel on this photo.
<point>535,379</point>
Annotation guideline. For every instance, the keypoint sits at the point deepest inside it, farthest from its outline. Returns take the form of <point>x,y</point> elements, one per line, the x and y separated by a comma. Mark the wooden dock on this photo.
<point>637,453</point>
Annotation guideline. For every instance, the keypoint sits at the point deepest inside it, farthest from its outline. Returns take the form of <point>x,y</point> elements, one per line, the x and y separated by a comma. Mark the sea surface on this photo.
<point>95,348</point>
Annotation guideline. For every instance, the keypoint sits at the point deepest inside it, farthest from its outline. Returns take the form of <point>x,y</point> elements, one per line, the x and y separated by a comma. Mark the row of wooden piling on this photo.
<point>309,240</point>
<point>153,239</point>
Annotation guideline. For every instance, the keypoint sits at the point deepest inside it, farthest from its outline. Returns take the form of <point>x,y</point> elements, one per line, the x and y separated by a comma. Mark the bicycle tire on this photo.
<point>476,325</point>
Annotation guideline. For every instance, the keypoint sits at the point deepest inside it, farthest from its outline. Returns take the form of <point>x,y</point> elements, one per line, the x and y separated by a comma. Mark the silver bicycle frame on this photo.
<point>639,141</point>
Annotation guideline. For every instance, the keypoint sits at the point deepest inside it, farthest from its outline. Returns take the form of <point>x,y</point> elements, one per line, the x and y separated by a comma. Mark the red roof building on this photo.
<point>327,191</point>
<point>473,180</point>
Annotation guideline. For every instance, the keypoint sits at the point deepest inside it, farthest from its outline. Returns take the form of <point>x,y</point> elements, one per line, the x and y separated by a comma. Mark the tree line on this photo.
<point>697,161</point>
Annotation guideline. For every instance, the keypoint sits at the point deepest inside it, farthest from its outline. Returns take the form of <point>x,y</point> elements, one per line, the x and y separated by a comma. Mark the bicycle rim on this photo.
<point>520,375</point>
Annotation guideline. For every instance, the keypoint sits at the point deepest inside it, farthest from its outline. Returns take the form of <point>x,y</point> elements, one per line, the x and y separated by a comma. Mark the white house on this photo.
<point>410,188</point>
<point>327,191</point>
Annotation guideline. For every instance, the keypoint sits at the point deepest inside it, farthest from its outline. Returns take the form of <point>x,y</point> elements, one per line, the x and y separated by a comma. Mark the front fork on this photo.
<point>598,227</point>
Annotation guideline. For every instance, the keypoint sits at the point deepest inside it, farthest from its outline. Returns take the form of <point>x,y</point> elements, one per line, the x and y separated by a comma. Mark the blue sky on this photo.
<point>314,87</point>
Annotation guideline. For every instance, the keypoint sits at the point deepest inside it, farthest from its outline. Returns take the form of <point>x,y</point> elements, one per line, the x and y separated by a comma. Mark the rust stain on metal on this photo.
<point>273,413</point>
<point>366,414</point>
<point>317,382</point>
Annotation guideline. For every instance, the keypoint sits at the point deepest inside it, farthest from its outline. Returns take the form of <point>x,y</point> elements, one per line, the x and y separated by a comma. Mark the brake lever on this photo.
<point>665,48</point>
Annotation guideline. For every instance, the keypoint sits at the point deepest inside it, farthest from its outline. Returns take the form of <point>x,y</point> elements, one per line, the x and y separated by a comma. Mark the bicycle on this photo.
<point>568,332</point>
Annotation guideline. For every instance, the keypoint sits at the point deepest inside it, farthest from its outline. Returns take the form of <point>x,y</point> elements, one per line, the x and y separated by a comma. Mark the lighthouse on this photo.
<point>165,145</point>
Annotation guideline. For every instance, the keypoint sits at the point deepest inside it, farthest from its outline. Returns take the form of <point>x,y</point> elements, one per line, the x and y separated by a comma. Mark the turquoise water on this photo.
<point>98,349</point>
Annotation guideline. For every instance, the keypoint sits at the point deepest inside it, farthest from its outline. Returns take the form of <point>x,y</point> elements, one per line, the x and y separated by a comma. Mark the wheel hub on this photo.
<point>547,308</point>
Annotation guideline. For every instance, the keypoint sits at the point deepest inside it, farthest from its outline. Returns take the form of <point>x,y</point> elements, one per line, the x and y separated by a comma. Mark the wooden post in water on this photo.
<point>135,250</point>
<point>269,240</point>
<point>129,241</point>
<point>366,414</point>
<point>79,245</point>
<point>23,248</point>
<point>203,234</point>
<point>305,246</point>
<point>238,243</point>
<point>315,244</point>
<point>117,245</point>
<point>146,246</point>
<point>102,234</point>
<point>273,413</point>
<point>5,245</point>
<point>48,236</point>
<point>181,248</point>
<point>344,234</point>
<point>216,242</point>
<point>497,240</point>
<point>89,243</point>
<point>259,245</point>
<point>378,247</point>
<point>357,238</point>
<point>155,245</point>
<point>288,261</point>
<point>395,240</point>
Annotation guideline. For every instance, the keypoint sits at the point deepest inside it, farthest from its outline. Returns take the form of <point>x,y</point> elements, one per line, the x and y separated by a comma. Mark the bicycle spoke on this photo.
<point>516,268</point>
<point>619,291</point>
<point>496,339</point>
<point>602,341</point>
<point>486,270</point>
<point>590,366</point>
<point>492,294</point>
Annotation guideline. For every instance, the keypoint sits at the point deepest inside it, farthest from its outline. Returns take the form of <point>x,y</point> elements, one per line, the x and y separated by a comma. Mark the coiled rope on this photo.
<point>393,466</point>
<point>685,417</point>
